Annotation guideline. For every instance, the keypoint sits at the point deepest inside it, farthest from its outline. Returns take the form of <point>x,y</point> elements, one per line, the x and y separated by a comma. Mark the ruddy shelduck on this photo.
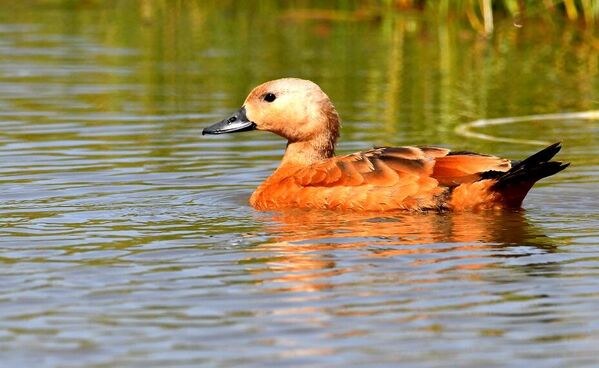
<point>379,179</point>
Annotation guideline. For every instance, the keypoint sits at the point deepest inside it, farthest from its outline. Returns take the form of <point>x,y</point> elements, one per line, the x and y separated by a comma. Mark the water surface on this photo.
<point>127,240</point>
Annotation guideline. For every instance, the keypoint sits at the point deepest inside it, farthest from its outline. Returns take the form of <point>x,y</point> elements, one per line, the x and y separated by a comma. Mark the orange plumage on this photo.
<point>380,179</point>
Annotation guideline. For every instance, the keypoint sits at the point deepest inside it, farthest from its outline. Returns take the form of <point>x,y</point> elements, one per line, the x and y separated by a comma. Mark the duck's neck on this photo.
<point>319,146</point>
<point>304,153</point>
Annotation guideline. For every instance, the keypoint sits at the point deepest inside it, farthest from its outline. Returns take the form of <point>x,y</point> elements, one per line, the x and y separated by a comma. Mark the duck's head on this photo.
<point>295,109</point>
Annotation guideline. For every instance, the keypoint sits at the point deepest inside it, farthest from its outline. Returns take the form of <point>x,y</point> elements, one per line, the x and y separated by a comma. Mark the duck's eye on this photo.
<point>269,97</point>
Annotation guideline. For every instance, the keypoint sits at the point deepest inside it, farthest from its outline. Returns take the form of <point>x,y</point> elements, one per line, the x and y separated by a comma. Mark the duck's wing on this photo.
<point>379,166</point>
<point>401,166</point>
<point>466,167</point>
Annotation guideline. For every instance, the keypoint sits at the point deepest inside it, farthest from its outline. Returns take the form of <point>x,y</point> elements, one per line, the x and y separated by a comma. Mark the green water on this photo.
<point>126,238</point>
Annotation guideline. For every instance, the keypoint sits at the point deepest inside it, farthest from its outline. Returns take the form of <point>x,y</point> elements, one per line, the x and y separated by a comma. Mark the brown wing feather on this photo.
<point>385,166</point>
<point>388,166</point>
<point>434,151</point>
<point>455,169</point>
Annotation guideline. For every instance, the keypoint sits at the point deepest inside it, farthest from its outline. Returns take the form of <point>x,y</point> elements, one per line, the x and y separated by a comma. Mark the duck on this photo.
<point>381,179</point>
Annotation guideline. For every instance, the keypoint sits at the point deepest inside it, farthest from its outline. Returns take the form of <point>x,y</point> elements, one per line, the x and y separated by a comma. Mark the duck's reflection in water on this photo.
<point>307,246</point>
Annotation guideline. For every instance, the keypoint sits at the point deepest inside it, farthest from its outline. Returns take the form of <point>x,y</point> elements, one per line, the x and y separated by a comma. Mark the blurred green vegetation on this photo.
<point>480,13</point>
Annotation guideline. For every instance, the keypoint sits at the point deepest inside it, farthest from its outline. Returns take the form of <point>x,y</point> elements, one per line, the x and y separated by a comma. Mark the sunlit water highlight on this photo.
<point>466,130</point>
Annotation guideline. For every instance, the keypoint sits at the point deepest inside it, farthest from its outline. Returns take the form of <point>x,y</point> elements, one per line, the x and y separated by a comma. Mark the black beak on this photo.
<point>237,122</point>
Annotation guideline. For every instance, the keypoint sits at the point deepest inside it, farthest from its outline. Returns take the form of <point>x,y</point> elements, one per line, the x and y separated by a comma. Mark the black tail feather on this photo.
<point>543,155</point>
<point>526,172</point>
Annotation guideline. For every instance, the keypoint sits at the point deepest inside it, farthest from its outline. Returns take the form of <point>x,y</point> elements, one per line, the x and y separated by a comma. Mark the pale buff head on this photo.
<point>296,109</point>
